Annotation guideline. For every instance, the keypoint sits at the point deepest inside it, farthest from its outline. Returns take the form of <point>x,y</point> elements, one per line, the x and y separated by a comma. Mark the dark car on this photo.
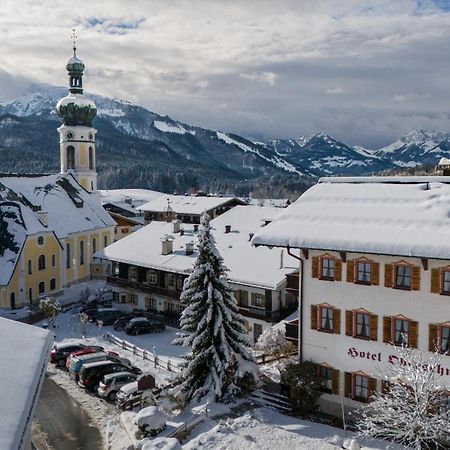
<point>60,352</point>
<point>122,322</point>
<point>143,326</point>
<point>91,374</point>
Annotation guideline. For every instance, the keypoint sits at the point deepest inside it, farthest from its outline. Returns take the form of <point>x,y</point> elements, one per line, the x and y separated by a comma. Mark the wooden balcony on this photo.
<point>266,315</point>
<point>293,283</point>
<point>143,286</point>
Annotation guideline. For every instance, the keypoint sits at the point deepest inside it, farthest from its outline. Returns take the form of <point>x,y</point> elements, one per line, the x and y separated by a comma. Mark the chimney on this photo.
<point>227,229</point>
<point>167,244</point>
<point>189,248</point>
<point>444,166</point>
<point>250,236</point>
<point>195,227</point>
<point>176,226</point>
<point>42,217</point>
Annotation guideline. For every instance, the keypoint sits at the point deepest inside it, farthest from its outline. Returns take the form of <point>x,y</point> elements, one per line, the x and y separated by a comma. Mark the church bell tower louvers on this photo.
<point>76,134</point>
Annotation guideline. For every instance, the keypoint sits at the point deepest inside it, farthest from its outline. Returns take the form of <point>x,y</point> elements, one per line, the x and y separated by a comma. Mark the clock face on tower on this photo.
<point>70,135</point>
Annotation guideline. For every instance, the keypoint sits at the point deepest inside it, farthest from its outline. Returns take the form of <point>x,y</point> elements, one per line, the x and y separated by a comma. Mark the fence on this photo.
<point>263,358</point>
<point>164,363</point>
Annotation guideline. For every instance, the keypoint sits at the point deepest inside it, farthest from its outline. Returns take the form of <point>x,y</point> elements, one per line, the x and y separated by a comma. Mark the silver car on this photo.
<point>111,384</point>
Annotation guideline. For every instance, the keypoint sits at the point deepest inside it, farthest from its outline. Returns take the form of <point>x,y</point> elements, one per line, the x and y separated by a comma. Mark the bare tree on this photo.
<point>51,308</point>
<point>413,408</point>
<point>85,324</point>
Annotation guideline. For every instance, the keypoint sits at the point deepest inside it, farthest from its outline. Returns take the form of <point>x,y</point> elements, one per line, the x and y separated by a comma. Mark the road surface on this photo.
<point>61,424</point>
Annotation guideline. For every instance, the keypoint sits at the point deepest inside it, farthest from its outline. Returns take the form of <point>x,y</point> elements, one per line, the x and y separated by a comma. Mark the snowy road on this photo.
<point>64,423</point>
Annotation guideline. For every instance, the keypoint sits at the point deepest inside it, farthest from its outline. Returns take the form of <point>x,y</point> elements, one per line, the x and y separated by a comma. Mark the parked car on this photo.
<point>59,353</point>
<point>92,373</point>
<point>111,384</point>
<point>109,315</point>
<point>127,393</point>
<point>143,326</point>
<point>85,351</point>
<point>120,323</point>
<point>76,363</point>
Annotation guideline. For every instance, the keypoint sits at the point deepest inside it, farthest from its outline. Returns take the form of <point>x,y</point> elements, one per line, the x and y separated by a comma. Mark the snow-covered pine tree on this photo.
<point>413,409</point>
<point>218,364</point>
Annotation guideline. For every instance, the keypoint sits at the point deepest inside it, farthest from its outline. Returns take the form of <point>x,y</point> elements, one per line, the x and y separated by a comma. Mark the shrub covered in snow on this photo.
<point>272,342</point>
<point>162,443</point>
<point>218,364</point>
<point>150,421</point>
<point>301,377</point>
<point>51,308</point>
<point>412,409</point>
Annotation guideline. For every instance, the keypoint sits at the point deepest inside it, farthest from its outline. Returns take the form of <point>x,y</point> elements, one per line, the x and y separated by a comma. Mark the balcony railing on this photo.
<point>292,283</point>
<point>142,286</point>
<point>266,315</point>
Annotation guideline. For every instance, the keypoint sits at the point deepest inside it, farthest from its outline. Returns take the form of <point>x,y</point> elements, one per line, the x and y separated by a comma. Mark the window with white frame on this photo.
<point>152,277</point>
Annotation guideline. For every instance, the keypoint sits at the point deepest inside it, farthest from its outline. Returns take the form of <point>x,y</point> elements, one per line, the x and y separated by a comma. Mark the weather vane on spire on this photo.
<point>74,36</point>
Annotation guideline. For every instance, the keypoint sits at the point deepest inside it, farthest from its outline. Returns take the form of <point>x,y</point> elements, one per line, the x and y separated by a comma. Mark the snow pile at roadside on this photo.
<point>162,444</point>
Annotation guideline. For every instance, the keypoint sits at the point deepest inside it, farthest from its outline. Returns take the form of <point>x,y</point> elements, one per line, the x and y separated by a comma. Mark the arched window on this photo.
<point>81,253</point>
<point>70,157</point>
<point>105,241</point>
<point>30,267</point>
<point>53,284</point>
<point>53,260</point>
<point>94,245</point>
<point>41,262</point>
<point>40,240</point>
<point>41,287</point>
<point>91,158</point>
<point>13,300</point>
<point>67,256</point>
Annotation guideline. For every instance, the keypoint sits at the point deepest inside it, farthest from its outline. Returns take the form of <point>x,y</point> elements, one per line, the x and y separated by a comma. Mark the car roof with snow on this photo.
<point>268,268</point>
<point>110,376</point>
<point>98,364</point>
<point>24,353</point>
<point>130,388</point>
<point>399,216</point>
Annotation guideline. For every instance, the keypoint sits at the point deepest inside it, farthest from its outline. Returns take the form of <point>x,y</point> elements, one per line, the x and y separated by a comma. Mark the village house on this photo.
<point>51,225</point>
<point>374,269</point>
<point>187,208</point>
<point>150,266</point>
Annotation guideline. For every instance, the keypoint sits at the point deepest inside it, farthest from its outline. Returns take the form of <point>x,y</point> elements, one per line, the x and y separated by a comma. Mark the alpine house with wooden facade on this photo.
<point>150,266</point>
<point>374,269</point>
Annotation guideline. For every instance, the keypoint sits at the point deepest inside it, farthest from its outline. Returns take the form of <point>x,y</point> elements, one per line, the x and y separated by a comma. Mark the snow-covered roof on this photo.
<point>17,221</point>
<point>186,204</point>
<point>247,264</point>
<point>70,208</point>
<point>406,216</point>
<point>138,196</point>
<point>275,202</point>
<point>24,350</point>
<point>444,162</point>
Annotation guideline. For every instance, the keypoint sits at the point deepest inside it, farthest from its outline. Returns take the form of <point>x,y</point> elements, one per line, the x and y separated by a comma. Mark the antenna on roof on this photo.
<point>74,36</point>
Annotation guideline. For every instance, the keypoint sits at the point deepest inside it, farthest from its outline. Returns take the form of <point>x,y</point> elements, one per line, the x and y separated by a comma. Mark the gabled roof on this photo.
<point>405,216</point>
<point>24,350</point>
<point>247,264</point>
<point>137,196</point>
<point>70,208</point>
<point>187,204</point>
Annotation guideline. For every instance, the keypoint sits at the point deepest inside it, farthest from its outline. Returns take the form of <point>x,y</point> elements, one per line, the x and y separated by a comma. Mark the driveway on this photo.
<point>61,424</point>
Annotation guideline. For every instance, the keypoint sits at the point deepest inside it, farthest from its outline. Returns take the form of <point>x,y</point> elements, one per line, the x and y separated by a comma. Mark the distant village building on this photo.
<point>51,225</point>
<point>374,269</point>
<point>24,355</point>
<point>150,266</point>
<point>187,208</point>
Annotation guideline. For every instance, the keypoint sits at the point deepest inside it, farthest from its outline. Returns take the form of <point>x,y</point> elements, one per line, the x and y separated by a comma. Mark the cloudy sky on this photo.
<point>364,71</point>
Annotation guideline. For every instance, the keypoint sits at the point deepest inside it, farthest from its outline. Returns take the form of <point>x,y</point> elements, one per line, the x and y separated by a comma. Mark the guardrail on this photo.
<point>158,361</point>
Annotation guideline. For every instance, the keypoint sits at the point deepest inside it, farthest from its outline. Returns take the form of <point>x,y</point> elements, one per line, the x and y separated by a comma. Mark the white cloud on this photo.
<point>334,91</point>
<point>269,78</point>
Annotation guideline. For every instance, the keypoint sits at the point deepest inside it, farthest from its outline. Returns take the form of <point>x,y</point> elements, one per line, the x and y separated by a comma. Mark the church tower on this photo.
<point>76,134</point>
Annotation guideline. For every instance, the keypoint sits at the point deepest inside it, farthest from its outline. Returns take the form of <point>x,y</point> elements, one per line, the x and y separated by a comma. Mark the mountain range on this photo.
<point>140,148</point>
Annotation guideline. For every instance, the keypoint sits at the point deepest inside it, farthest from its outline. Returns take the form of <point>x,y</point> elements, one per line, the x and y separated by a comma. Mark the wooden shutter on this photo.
<point>373,327</point>
<point>315,267</point>
<point>337,269</point>
<point>350,271</point>
<point>372,388</point>
<point>387,330</point>
<point>348,385</point>
<point>337,321</point>
<point>436,281</point>
<point>349,323</point>
<point>375,273</point>
<point>415,278</point>
<point>314,310</point>
<point>335,381</point>
<point>433,337</point>
<point>388,269</point>
<point>412,335</point>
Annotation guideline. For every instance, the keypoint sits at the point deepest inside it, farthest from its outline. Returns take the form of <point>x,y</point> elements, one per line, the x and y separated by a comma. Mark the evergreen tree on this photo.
<point>218,365</point>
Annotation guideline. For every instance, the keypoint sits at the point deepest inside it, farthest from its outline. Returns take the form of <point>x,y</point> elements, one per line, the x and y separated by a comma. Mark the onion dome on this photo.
<point>76,109</point>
